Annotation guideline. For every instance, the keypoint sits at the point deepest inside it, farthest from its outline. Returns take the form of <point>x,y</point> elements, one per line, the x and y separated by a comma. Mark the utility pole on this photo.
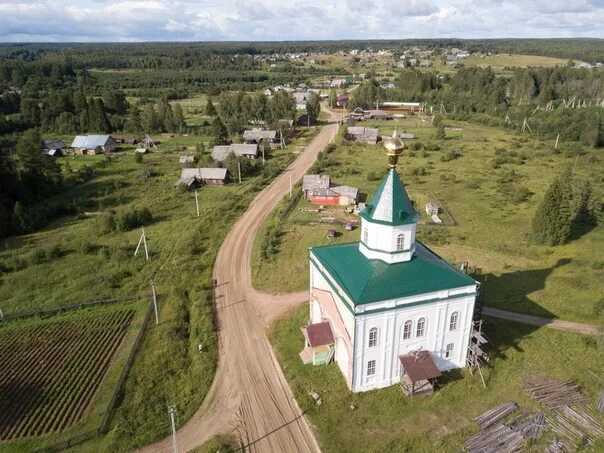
<point>575,166</point>
<point>263,155</point>
<point>239,168</point>
<point>154,292</point>
<point>1,314</point>
<point>143,239</point>
<point>556,145</point>
<point>197,202</point>
<point>172,411</point>
<point>290,185</point>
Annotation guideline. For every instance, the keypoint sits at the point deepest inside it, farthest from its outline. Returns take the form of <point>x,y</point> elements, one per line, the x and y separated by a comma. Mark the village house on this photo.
<point>367,135</point>
<point>221,152</point>
<point>93,144</point>
<point>342,100</point>
<point>362,115</point>
<point>257,135</point>
<point>398,313</point>
<point>53,148</point>
<point>338,83</point>
<point>186,159</point>
<point>319,190</point>
<point>195,177</point>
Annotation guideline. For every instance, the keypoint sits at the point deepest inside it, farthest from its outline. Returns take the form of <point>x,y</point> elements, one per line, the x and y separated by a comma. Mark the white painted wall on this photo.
<point>382,240</point>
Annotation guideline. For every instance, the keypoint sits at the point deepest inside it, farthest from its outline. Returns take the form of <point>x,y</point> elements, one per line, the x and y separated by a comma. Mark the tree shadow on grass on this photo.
<point>510,292</point>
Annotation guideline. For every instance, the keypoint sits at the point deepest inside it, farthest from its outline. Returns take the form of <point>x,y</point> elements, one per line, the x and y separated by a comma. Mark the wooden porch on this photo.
<point>418,373</point>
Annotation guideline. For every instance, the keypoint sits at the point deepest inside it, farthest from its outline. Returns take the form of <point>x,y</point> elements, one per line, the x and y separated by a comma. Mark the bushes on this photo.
<point>125,221</point>
<point>450,155</point>
<point>138,158</point>
<point>271,241</point>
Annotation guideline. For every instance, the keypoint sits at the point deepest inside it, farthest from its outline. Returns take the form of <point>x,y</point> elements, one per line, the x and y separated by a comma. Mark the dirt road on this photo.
<point>250,394</point>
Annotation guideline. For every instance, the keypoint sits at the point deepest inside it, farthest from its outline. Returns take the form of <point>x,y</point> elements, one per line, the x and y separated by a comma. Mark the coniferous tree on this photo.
<point>219,132</point>
<point>554,216</point>
<point>210,109</point>
<point>133,123</point>
<point>149,119</point>
<point>313,107</point>
<point>179,119</point>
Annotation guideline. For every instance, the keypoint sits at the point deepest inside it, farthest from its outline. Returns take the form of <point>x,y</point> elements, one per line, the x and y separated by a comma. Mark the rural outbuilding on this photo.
<point>367,135</point>
<point>257,135</point>
<point>418,373</point>
<point>314,182</point>
<point>53,148</point>
<point>221,152</point>
<point>195,177</point>
<point>93,144</point>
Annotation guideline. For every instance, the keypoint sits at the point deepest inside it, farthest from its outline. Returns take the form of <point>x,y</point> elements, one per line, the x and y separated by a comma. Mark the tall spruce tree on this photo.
<point>554,216</point>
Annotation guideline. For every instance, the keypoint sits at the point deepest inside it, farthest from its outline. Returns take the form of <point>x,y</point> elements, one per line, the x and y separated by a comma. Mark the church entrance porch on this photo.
<point>418,373</point>
<point>319,345</point>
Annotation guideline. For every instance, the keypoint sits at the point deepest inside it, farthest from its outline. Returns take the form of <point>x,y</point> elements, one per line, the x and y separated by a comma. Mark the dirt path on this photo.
<point>250,394</point>
<point>557,324</point>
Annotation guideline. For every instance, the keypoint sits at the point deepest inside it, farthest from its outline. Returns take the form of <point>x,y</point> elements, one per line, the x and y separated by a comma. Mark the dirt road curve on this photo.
<point>250,394</point>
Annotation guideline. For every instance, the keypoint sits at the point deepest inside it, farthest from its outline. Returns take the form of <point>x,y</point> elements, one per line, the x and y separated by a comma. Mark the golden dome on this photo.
<point>394,148</point>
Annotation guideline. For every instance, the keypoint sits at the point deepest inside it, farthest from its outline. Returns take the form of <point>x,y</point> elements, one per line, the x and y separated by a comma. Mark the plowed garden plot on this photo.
<point>50,371</point>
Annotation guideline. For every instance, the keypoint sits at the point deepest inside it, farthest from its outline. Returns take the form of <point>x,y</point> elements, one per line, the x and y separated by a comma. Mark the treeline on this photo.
<point>478,94</point>
<point>218,56</point>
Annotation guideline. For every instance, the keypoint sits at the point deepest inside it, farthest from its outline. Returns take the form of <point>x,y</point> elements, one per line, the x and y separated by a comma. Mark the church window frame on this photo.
<point>454,321</point>
<point>407,329</point>
<point>400,242</point>
<point>420,327</point>
<point>373,337</point>
<point>371,368</point>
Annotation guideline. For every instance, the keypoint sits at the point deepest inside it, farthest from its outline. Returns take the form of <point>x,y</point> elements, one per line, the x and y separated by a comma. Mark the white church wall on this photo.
<point>377,240</point>
<point>391,342</point>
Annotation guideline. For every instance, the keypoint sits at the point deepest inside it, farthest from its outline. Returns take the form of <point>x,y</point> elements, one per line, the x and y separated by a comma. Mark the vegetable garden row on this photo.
<point>51,370</point>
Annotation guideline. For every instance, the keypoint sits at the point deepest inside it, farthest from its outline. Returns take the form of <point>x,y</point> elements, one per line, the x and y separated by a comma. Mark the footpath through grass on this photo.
<point>491,181</point>
<point>387,420</point>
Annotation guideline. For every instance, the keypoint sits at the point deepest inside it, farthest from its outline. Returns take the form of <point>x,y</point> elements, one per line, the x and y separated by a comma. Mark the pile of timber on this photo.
<point>492,416</point>
<point>556,447</point>
<point>576,425</point>
<point>499,438</point>
<point>601,401</point>
<point>530,426</point>
<point>554,393</point>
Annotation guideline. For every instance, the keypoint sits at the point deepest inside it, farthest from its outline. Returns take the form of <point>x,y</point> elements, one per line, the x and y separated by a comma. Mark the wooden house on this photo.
<point>195,177</point>
<point>311,183</point>
<point>257,135</point>
<point>221,152</point>
<point>367,135</point>
<point>53,148</point>
<point>93,144</point>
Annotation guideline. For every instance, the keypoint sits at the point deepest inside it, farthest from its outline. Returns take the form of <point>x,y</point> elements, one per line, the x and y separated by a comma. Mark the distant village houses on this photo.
<point>93,144</point>
<point>361,115</point>
<point>319,190</point>
<point>53,148</point>
<point>257,135</point>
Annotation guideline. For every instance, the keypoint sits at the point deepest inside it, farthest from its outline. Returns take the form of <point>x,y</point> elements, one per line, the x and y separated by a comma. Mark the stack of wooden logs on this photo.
<point>499,438</point>
<point>492,416</point>
<point>553,393</point>
<point>556,447</point>
<point>576,425</point>
<point>601,401</point>
<point>530,426</point>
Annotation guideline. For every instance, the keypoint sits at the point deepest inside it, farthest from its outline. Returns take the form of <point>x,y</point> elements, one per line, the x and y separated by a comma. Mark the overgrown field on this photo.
<point>89,256</point>
<point>491,181</point>
<point>387,420</point>
<point>58,374</point>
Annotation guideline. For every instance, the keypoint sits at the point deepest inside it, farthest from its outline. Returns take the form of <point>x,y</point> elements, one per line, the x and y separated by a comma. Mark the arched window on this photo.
<point>421,327</point>
<point>453,320</point>
<point>407,328</point>
<point>365,236</point>
<point>400,242</point>
<point>373,337</point>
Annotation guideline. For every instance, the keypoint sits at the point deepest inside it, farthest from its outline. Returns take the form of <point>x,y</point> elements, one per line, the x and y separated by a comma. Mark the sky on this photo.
<point>277,20</point>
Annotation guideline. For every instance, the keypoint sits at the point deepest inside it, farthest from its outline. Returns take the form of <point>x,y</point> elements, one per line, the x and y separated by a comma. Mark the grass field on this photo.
<point>501,61</point>
<point>491,181</point>
<point>387,420</point>
<point>59,373</point>
<point>74,260</point>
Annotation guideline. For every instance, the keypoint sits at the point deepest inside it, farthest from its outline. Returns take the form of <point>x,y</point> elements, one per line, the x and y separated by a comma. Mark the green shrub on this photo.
<point>127,221</point>
<point>106,223</point>
<point>450,155</point>
<point>372,176</point>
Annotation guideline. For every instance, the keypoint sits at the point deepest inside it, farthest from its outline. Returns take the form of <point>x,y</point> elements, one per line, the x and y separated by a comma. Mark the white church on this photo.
<point>387,309</point>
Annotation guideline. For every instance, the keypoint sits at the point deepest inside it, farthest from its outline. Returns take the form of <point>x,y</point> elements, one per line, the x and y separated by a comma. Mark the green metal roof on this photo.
<point>367,281</point>
<point>390,205</point>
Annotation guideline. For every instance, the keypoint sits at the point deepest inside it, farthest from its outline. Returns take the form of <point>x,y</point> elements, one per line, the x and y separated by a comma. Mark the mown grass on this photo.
<point>387,420</point>
<point>492,189</point>
<point>90,265</point>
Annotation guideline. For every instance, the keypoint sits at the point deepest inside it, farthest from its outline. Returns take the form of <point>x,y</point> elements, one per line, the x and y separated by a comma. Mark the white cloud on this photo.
<point>165,20</point>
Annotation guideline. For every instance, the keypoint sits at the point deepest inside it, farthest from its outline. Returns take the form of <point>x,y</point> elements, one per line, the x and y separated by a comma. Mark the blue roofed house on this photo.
<point>93,144</point>
<point>398,312</point>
